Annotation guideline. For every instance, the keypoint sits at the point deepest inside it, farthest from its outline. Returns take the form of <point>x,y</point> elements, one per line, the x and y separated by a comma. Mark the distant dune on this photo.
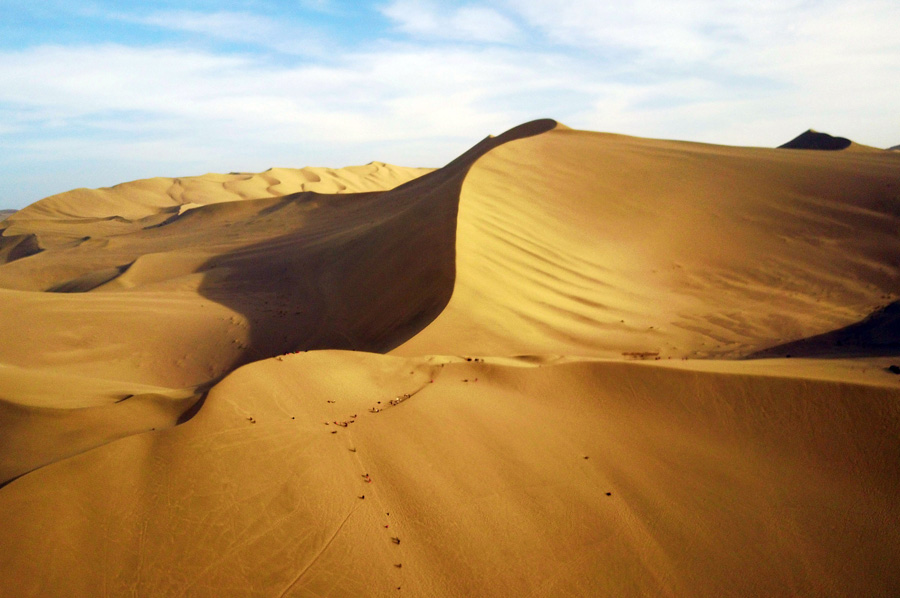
<point>817,141</point>
<point>519,374</point>
<point>814,140</point>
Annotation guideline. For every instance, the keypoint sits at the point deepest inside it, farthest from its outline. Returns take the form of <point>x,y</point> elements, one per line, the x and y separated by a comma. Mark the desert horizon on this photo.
<point>566,363</point>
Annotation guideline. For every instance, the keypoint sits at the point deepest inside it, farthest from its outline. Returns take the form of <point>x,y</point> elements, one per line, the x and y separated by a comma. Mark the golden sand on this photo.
<point>523,374</point>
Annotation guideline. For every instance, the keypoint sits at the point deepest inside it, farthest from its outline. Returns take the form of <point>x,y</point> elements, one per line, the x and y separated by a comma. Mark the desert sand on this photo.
<point>565,364</point>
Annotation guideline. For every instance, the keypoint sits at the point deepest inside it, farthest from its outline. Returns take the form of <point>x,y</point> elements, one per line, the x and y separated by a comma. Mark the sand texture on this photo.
<point>565,364</point>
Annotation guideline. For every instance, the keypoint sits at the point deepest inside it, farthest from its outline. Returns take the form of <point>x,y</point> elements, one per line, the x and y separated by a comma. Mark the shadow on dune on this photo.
<point>16,247</point>
<point>360,272</point>
<point>877,335</point>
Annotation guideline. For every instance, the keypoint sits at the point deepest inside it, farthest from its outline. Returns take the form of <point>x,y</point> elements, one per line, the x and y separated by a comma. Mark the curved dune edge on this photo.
<point>569,479</point>
<point>179,304</point>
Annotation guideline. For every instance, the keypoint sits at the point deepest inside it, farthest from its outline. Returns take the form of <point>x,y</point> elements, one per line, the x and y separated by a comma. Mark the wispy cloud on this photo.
<point>236,27</point>
<point>736,72</point>
<point>435,20</point>
<point>359,97</point>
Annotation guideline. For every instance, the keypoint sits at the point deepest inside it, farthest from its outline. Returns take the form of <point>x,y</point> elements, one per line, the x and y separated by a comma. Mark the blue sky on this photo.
<point>96,93</point>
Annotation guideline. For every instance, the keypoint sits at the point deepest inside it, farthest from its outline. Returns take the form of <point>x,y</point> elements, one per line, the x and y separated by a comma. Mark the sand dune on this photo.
<point>514,375</point>
<point>590,244</point>
<point>814,140</point>
<point>139,199</point>
<point>123,313</point>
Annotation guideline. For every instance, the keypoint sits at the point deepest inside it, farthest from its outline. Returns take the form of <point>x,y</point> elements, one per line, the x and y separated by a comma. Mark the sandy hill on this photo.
<point>815,140</point>
<point>515,375</point>
<point>64,218</point>
<point>586,243</point>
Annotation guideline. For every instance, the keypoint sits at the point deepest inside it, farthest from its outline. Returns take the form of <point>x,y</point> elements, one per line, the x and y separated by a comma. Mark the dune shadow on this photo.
<point>877,335</point>
<point>16,247</point>
<point>361,272</point>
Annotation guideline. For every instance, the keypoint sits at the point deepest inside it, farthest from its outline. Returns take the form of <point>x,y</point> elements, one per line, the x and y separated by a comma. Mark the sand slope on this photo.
<point>161,435</point>
<point>720,485</point>
<point>125,315</point>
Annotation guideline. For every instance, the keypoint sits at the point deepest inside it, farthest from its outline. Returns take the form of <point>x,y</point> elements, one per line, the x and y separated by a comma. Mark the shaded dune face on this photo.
<point>878,334</point>
<point>361,272</point>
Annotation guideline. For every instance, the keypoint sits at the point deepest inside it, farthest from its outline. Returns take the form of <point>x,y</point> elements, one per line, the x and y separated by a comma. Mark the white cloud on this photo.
<point>681,32</point>
<point>135,97</point>
<point>143,112</point>
<point>237,27</point>
<point>226,25</point>
<point>75,81</point>
<point>828,64</point>
<point>413,16</point>
<point>429,19</point>
<point>481,23</point>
